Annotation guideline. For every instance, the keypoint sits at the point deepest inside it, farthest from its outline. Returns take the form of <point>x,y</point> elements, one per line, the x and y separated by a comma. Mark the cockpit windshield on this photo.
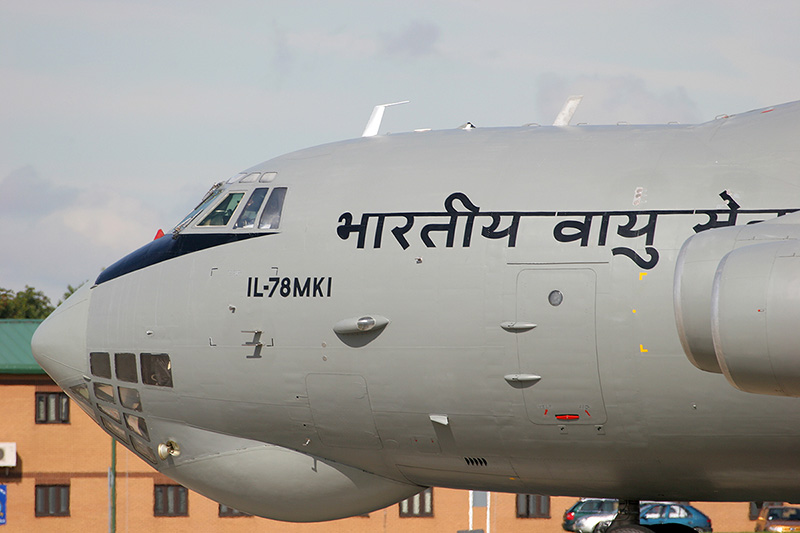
<point>261,207</point>
<point>271,217</point>
<point>212,193</point>
<point>248,217</point>
<point>224,211</point>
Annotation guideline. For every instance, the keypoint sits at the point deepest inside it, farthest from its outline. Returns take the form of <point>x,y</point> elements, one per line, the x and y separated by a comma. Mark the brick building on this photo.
<point>68,475</point>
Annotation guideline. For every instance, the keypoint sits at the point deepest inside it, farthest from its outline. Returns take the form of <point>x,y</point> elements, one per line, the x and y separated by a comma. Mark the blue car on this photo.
<point>674,513</point>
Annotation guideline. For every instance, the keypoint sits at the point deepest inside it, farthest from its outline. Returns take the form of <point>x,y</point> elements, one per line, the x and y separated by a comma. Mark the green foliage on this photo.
<point>69,291</point>
<point>28,303</point>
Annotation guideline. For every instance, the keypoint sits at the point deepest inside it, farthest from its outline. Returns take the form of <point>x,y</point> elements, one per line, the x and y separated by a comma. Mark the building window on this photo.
<point>533,506</point>
<point>52,500</point>
<point>230,512</point>
<point>52,408</point>
<point>418,505</point>
<point>171,500</point>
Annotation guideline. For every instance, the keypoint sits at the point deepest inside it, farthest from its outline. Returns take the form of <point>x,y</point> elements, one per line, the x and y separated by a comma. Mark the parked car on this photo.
<point>666,513</point>
<point>675,513</point>
<point>588,523</point>
<point>778,519</point>
<point>588,507</point>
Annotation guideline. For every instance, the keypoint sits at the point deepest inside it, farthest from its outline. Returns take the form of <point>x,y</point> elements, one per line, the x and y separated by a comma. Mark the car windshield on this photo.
<point>590,506</point>
<point>784,513</point>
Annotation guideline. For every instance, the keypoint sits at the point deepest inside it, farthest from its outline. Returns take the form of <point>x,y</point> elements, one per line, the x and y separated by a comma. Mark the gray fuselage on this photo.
<point>530,345</point>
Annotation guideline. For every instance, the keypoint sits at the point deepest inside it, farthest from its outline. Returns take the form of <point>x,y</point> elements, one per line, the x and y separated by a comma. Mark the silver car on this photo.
<point>587,524</point>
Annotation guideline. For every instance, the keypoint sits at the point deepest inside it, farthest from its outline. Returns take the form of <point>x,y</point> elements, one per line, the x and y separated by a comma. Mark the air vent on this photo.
<point>8,454</point>
<point>475,461</point>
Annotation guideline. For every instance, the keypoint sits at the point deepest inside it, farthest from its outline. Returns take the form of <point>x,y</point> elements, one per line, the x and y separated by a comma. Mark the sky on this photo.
<point>117,115</point>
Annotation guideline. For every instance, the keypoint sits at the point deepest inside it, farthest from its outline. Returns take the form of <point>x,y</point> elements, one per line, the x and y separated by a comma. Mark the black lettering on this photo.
<point>347,227</point>
<point>400,231</point>
<point>318,287</point>
<point>729,200</point>
<point>249,285</point>
<point>641,262</point>
<point>581,232</point>
<point>490,231</point>
<point>255,289</point>
<point>286,287</point>
<point>302,290</point>
<point>274,282</point>
<point>329,287</point>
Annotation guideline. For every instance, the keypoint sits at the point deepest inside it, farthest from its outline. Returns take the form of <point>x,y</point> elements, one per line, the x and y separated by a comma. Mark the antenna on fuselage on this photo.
<point>568,110</point>
<point>374,122</point>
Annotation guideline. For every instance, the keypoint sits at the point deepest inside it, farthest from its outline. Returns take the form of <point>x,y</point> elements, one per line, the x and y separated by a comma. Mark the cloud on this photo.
<point>95,12</point>
<point>23,193</point>
<point>417,39</point>
<point>283,58</point>
<point>107,221</point>
<point>57,236</point>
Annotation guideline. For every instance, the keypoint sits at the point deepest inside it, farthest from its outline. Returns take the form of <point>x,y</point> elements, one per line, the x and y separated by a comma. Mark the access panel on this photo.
<point>341,410</point>
<point>561,348</point>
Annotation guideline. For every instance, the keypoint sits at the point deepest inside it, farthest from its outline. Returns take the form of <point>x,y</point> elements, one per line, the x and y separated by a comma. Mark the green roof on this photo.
<point>15,347</point>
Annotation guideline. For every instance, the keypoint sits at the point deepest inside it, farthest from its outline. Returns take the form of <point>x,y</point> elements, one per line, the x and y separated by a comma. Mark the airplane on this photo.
<point>569,310</point>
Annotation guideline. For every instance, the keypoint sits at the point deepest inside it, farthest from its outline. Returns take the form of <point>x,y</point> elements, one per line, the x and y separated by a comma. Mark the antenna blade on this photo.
<point>568,110</point>
<point>374,122</point>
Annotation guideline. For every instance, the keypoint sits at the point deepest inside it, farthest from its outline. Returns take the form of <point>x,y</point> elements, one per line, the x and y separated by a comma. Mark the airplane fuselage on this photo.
<point>522,283</point>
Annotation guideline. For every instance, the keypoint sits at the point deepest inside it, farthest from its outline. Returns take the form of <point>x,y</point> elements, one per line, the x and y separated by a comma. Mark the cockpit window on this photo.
<point>129,398</point>
<point>271,217</point>
<point>116,430</point>
<point>223,212</point>
<point>81,393</point>
<point>100,363</point>
<point>125,367</point>
<point>215,191</point>
<point>110,412</point>
<point>252,177</point>
<point>248,217</point>
<point>137,425</point>
<point>104,391</point>
<point>145,450</point>
<point>156,369</point>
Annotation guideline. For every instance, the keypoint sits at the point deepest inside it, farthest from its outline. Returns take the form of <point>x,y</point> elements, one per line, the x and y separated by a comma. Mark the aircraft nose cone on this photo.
<point>59,343</point>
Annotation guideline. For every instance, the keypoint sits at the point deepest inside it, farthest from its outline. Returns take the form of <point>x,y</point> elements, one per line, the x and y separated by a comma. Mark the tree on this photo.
<point>6,298</point>
<point>70,290</point>
<point>28,303</point>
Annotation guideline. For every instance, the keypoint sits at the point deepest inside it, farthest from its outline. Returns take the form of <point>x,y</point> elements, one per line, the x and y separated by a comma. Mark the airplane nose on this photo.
<point>59,343</point>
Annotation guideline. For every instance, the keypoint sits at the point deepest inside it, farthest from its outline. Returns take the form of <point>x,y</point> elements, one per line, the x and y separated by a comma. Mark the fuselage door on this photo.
<point>561,347</point>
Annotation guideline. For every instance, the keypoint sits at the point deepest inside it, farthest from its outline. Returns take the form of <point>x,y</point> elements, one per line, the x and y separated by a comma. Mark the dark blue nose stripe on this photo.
<point>170,247</point>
